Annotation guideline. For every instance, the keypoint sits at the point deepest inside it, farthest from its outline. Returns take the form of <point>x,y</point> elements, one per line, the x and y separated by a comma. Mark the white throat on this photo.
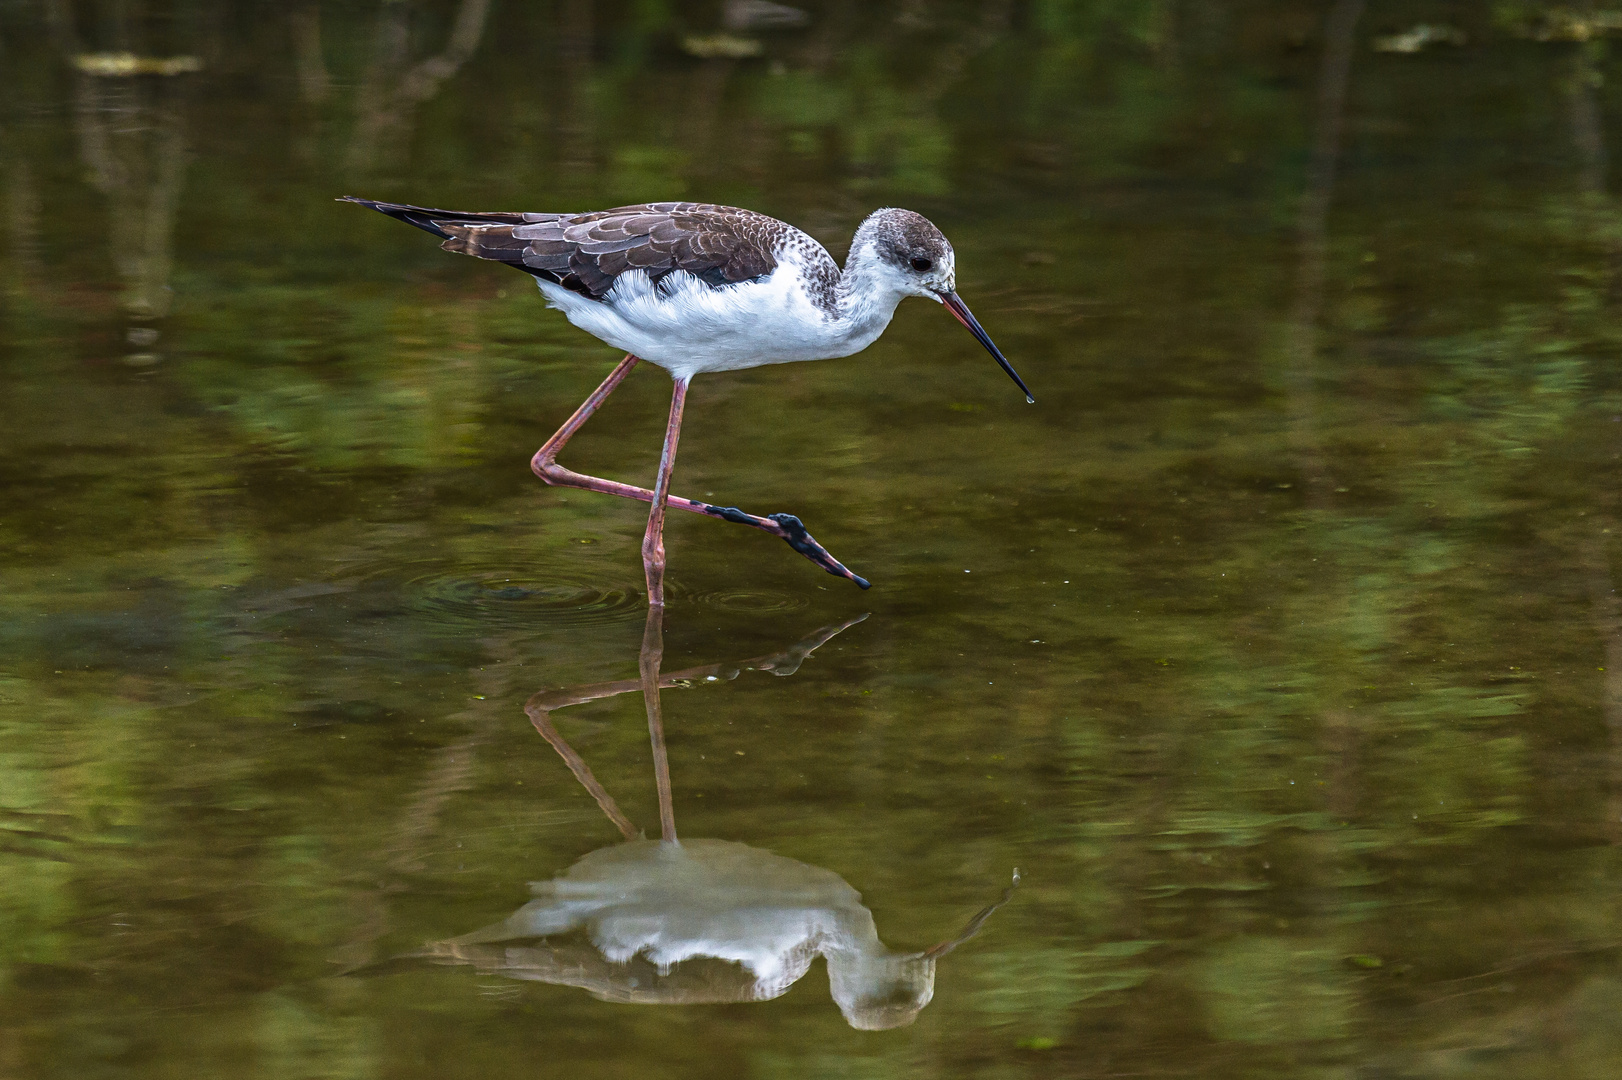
<point>869,289</point>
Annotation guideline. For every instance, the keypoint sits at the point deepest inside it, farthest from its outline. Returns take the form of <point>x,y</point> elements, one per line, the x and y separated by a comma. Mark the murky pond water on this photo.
<point>1278,646</point>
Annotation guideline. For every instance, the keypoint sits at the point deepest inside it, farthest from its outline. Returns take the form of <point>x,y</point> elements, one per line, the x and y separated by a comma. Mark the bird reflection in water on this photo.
<point>668,922</point>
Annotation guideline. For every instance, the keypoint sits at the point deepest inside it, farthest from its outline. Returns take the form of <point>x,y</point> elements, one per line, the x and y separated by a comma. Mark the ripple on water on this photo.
<point>739,601</point>
<point>505,596</point>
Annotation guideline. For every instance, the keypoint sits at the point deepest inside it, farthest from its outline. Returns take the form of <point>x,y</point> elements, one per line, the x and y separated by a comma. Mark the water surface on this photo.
<point>1277,646</point>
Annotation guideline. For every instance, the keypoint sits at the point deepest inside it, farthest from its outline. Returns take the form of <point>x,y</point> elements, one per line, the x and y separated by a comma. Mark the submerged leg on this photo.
<point>785,527</point>
<point>653,541</point>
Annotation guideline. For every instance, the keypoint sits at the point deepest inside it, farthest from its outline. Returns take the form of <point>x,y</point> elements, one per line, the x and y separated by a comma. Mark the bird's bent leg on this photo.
<point>653,541</point>
<point>545,462</point>
<point>785,527</point>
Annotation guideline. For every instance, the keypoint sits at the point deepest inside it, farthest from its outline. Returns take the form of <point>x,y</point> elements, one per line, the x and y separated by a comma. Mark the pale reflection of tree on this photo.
<point>575,119</point>
<point>451,771</point>
<point>1312,237</point>
<point>702,119</point>
<point>24,212</point>
<point>314,82</point>
<point>953,57</point>
<point>1340,731</point>
<point>1588,136</point>
<point>129,116</point>
<point>393,87</point>
<point>23,206</point>
<point>1607,606</point>
<point>830,35</point>
<point>132,136</point>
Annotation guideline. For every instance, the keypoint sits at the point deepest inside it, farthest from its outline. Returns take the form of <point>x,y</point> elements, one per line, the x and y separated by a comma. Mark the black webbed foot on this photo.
<point>790,529</point>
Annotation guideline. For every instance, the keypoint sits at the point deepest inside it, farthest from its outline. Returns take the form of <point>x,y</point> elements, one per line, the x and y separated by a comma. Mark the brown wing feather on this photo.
<point>720,245</point>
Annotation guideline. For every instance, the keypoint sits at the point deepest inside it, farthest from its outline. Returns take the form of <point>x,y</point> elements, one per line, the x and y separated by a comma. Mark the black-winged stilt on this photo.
<point>695,287</point>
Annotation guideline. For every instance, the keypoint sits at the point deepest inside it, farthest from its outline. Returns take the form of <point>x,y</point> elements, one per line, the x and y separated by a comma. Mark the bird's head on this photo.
<point>913,256</point>
<point>906,254</point>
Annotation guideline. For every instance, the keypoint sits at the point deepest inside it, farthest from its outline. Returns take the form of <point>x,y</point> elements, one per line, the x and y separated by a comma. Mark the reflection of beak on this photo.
<point>980,916</point>
<point>961,310</point>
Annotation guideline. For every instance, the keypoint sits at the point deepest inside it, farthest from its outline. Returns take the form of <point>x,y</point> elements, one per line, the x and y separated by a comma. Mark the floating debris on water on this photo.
<point>1420,37</point>
<point>126,63</point>
<point>721,47</point>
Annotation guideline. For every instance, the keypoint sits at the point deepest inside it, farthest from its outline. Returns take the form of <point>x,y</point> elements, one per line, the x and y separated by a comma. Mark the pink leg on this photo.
<point>653,541</point>
<point>785,527</point>
<point>544,463</point>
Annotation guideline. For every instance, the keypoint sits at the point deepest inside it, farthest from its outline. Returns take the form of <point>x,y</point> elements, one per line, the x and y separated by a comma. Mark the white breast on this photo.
<point>688,327</point>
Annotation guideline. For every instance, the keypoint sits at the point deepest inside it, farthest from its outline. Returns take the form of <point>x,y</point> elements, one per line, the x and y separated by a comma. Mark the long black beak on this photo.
<point>958,308</point>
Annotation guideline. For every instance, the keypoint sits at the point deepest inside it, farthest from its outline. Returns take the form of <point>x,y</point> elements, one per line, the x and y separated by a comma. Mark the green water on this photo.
<point>1278,645</point>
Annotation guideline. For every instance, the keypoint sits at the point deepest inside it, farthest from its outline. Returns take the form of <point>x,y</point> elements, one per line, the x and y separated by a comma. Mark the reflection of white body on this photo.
<point>697,921</point>
<point>669,905</point>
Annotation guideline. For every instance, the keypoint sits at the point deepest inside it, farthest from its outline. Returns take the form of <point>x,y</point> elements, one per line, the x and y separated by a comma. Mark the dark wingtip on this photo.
<point>862,583</point>
<point>419,216</point>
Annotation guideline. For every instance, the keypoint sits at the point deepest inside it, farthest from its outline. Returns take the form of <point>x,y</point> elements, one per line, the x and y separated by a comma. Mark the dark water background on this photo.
<point>1278,645</point>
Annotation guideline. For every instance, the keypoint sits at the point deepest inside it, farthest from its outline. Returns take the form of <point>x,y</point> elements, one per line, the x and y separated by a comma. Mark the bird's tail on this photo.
<point>435,221</point>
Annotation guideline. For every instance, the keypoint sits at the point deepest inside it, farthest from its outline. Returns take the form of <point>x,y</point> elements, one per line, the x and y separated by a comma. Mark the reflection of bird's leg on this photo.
<point>653,651</point>
<point>974,924</point>
<point>541,706</point>
<point>577,765</point>
<point>789,660</point>
<point>784,662</point>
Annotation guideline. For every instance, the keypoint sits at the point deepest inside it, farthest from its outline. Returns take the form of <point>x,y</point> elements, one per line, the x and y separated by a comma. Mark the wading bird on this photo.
<point>694,287</point>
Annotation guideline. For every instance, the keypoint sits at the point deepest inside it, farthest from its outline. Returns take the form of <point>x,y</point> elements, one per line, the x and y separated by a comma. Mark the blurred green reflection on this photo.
<point>1279,645</point>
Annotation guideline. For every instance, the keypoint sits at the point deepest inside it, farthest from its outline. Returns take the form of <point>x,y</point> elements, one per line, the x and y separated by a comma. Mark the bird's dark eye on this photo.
<point>920,264</point>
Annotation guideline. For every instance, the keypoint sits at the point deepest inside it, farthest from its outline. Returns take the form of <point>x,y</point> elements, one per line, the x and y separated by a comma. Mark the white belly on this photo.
<point>687,327</point>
